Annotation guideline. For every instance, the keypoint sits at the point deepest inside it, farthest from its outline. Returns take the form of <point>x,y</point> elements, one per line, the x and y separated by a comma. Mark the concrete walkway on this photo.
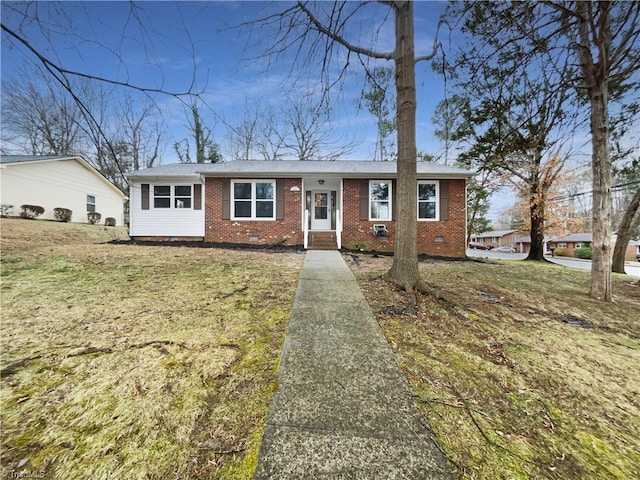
<point>343,409</point>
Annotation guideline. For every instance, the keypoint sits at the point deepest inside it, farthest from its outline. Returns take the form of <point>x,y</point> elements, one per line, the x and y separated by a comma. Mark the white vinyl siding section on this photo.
<point>165,222</point>
<point>59,183</point>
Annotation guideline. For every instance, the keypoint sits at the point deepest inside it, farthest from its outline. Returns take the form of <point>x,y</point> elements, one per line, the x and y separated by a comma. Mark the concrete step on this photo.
<point>322,241</point>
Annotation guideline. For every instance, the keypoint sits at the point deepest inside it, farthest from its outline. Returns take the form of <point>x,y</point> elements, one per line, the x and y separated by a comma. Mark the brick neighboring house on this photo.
<point>309,203</point>
<point>574,241</point>
<point>523,244</point>
<point>571,242</point>
<point>497,238</point>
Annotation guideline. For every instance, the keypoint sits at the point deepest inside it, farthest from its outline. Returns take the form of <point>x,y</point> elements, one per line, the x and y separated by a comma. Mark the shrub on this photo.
<point>360,245</point>
<point>584,252</point>
<point>62,214</point>
<point>31,211</point>
<point>94,217</point>
<point>5,210</point>
<point>110,222</point>
<point>560,252</point>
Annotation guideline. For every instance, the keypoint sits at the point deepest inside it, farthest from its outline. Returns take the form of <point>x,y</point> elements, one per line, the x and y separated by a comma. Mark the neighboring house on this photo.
<point>310,203</point>
<point>633,250</point>
<point>570,243</point>
<point>523,244</point>
<point>59,182</point>
<point>497,238</point>
<point>574,241</point>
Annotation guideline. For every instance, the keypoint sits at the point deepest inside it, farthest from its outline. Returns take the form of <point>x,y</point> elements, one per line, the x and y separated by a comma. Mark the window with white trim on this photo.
<point>428,208</point>
<point>168,196</point>
<point>91,203</point>
<point>380,200</point>
<point>253,199</point>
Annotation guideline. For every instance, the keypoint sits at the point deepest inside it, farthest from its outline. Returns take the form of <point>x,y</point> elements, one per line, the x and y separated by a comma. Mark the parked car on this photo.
<point>638,257</point>
<point>504,249</point>
<point>478,246</point>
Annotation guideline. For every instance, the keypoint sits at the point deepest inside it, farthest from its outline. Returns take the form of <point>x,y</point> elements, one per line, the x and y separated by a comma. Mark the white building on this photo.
<point>59,182</point>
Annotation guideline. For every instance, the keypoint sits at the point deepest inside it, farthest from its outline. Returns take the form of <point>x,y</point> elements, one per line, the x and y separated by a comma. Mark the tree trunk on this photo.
<point>596,76</point>
<point>600,286</point>
<point>627,225</point>
<point>404,270</point>
<point>536,209</point>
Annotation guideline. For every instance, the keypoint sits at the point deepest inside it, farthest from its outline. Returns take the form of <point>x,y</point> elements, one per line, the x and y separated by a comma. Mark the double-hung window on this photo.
<point>428,200</point>
<point>91,203</point>
<point>168,196</point>
<point>380,200</point>
<point>253,199</point>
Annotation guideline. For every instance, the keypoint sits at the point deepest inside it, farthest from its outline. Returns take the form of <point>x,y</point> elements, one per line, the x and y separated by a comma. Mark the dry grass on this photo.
<point>512,385</point>
<point>135,362</point>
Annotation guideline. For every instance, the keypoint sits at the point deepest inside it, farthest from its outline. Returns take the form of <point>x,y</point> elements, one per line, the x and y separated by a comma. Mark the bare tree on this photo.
<point>379,100</point>
<point>599,42</point>
<point>321,29</point>
<point>306,133</point>
<point>20,19</point>
<point>207,150</point>
<point>604,39</point>
<point>241,137</point>
<point>39,118</point>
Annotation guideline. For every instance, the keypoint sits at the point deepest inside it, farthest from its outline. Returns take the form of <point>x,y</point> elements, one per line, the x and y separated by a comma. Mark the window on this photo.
<point>379,200</point>
<point>428,201</point>
<point>562,244</point>
<point>91,203</point>
<point>182,196</point>
<point>253,199</point>
<point>178,196</point>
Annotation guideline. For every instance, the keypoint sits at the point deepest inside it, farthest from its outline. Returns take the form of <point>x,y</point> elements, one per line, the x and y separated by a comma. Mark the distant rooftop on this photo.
<point>576,237</point>
<point>494,233</point>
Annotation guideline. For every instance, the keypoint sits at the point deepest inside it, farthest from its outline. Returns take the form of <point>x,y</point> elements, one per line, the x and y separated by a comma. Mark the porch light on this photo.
<point>295,188</point>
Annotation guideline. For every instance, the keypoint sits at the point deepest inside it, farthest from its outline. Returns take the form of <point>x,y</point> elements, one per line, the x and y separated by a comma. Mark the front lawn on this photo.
<point>120,361</point>
<point>517,371</point>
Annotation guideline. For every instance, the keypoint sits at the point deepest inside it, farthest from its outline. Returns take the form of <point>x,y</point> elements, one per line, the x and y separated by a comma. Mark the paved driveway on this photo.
<point>632,268</point>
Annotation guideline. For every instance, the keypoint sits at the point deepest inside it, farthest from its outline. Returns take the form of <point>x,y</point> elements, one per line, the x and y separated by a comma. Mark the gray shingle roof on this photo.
<point>493,233</point>
<point>280,168</point>
<point>576,237</point>
<point>32,158</point>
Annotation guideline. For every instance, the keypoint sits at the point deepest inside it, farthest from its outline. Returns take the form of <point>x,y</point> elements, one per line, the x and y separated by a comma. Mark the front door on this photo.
<point>320,211</point>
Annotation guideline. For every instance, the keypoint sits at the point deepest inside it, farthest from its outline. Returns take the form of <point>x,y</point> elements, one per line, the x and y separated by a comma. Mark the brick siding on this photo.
<point>442,238</point>
<point>246,231</point>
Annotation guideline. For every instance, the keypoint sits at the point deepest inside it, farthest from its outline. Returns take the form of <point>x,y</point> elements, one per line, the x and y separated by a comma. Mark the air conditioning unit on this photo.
<point>380,230</point>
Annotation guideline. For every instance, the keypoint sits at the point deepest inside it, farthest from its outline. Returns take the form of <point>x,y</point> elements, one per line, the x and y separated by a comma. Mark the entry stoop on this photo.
<point>322,241</point>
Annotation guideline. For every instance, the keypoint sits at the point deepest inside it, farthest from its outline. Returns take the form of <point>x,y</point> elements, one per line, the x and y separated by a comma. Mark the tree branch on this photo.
<point>50,65</point>
<point>337,38</point>
<point>436,44</point>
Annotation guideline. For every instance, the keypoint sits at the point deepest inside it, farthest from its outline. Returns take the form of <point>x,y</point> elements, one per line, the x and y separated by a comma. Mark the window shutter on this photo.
<point>279,199</point>
<point>197,196</point>
<point>145,196</point>
<point>444,200</point>
<point>364,200</point>
<point>226,199</point>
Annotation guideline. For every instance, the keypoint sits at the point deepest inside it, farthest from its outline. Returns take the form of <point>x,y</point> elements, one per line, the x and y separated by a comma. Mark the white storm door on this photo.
<point>321,211</point>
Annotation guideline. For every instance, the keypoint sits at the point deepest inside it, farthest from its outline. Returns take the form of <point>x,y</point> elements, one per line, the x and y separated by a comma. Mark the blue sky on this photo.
<point>169,45</point>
